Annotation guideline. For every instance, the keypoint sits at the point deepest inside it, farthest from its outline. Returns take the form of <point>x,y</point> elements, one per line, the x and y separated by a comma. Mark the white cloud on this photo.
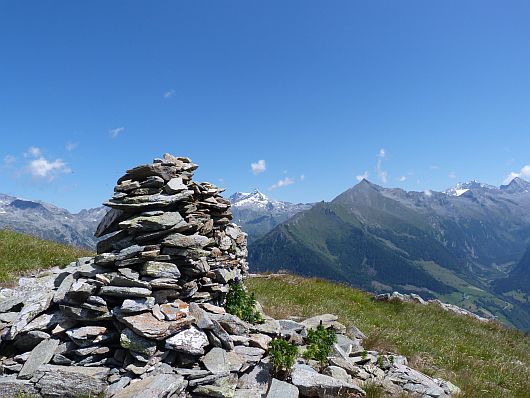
<point>33,151</point>
<point>70,146</point>
<point>117,131</point>
<point>402,178</point>
<point>434,167</point>
<point>9,160</point>
<point>452,174</point>
<point>523,173</point>
<point>282,183</point>
<point>169,93</point>
<point>361,177</point>
<point>43,168</point>
<point>258,167</point>
<point>382,174</point>
<point>428,193</point>
<point>302,177</point>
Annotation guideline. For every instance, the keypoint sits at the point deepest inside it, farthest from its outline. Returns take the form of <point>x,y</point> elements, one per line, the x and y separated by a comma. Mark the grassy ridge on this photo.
<point>484,359</point>
<point>20,253</point>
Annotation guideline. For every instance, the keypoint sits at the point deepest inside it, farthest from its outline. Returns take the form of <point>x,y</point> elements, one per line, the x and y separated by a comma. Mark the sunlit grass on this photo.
<point>20,253</point>
<point>484,359</point>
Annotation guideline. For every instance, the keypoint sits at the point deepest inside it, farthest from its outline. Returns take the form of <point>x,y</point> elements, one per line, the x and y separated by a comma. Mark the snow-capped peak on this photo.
<point>462,187</point>
<point>254,199</point>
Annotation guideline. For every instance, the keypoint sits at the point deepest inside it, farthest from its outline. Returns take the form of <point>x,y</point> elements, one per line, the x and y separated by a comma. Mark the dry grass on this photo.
<point>484,359</point>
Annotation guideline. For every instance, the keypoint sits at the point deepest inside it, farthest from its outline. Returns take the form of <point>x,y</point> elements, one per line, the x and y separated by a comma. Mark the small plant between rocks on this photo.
<point>242,304</point>
<point>320,344</point>
<point>282,357</point>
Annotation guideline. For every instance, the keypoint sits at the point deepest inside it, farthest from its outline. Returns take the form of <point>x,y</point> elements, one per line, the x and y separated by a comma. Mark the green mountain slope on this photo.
<point>382,240</point>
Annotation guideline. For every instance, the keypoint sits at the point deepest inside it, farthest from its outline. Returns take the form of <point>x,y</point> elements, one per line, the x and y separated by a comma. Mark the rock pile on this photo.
<point>145,316</point>
<point>415,298</point>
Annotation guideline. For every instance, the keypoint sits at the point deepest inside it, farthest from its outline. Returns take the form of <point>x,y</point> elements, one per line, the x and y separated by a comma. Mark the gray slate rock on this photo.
<point>216,361</point>
<point>56,381</point>
<point>159,386</point>
<point>190,341</point>
<point>281,389</point>
<point>314,384</point>
<point>40,355</point>
<point>11,387</point>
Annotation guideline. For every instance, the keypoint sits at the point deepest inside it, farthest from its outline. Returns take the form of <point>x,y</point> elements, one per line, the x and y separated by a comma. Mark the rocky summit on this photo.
<point>145,316</point>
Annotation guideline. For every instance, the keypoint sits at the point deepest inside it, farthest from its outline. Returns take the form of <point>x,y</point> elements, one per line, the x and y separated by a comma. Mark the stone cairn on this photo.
<point>144,317</point>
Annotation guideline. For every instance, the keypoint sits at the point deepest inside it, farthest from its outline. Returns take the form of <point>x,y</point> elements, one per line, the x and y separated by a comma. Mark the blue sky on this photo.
<point>413,94</point>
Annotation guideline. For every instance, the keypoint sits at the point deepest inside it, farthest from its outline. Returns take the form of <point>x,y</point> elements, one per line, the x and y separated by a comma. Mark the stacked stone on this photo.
<point>144,317</point>
<point>172,234</point>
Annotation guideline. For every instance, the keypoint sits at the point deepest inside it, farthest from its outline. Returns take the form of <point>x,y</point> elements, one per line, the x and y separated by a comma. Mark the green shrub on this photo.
<point>282,355</point>
<point>242,304</point>
<point>320,344</point>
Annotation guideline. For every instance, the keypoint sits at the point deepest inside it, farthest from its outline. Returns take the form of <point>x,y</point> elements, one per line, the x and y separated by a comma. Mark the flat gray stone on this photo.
<point>282,389</point>
<point>327,321</point>
<point>11,387</point>
<point>146,325</point>
<point>175,185</point>
<point>121,291</point>
<point>132,342</point>
<point>257,379</point>
<point>153,223</point>
<point>159,386</point>
<point>40,355</point>
<point>216,361</point>
<point>130,306</point>
<point>202,319</point>
<point>186,241</point>
<point>159,269</point>
<point>56,381</point>
<point>190,341</point>
<point>314,384</point>
<point>33,307</point>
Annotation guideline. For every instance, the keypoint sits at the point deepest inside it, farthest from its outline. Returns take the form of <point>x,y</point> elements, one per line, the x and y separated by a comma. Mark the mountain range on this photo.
<point>254,211</point>
<point>50,222</point>
<point>257,214</point>
<point>469,245</point>
<point>464,246</point>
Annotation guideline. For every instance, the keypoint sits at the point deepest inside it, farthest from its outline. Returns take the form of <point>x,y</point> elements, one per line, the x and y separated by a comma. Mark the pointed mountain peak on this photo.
<point>517,185</point>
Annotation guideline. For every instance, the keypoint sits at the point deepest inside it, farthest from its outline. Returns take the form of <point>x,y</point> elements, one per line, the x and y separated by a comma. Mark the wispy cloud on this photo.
<point>523,173</point>
<point>258,167</point>
<point>116,131</point>
<point>70,146</point>
<point>402,178</point>
<point>9,160</point>
<point>282,183</point>
<point>169,94</point>
<point>452,175</point>
<point>434,167</point>
<point>302,177</point>
<point>381,174</point>
<point>33,151</point>
<point>361,177</point>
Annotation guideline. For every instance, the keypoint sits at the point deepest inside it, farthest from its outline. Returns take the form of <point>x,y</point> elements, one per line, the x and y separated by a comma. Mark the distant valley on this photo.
<point>466,245</point>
